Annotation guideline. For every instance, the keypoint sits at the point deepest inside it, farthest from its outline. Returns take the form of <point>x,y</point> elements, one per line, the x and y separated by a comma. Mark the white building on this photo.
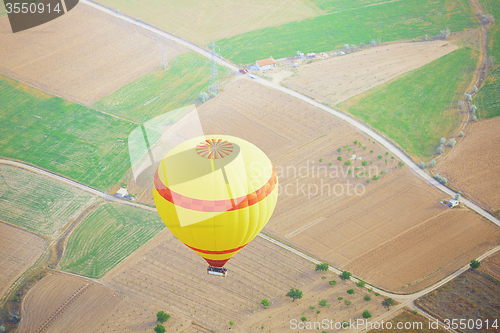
<point>265,64</point>
<point>121,193</point>
<point>453,203</point>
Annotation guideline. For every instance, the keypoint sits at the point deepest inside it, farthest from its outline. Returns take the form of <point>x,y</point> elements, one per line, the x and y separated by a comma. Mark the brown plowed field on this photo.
<point>474,164</point>
<point>426,240</point>
<point>491,265</point>
<point>339,78</point>
<point>82,56</point>
<point>19,250</point>
<point>66,303</point>
<point>166,275</point>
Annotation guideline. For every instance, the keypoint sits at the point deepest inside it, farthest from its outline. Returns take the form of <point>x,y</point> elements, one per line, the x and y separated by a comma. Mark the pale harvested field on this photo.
<point>166,275</point>
<point>348,231</point>
<point>19,250</point>
<point>38,203</point>
<point>82,56</point>
<point>474,164</point>
<point>337,79</point>
<point>66,303</point>
<point>202,22</point>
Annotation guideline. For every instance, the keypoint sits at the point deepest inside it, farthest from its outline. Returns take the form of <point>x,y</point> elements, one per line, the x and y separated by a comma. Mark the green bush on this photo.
<point>231,322</point>
<point>367,298</point>
<point>162,317</point>
<point>339,158</point>
<point>332,283</point>
<point>345,275</point>
<point>322,302</point>
<point>474,264</point>
<point>368,180</point>
<point>371,151</point>
<point>265,302</point>
<point>347,163</point>
<point>350,291</point>
<point>361,283</point>
<point>364,163</point>
<point>366,314</point>
<point>159,328</point>
<point>303,318</point>
<point>340,298</point>
<point>339,150</point>
<point>311,307</point>
<point>322,267</point>
<point>375,177</point>
<point>347,302</point>
<point>379,157</point>
<point>321,160</point>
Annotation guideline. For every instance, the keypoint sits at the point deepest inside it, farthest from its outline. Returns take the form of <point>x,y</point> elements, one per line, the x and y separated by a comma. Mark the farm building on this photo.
<point>453,203</point>
<point>265,64</point>
<point>121,193</point>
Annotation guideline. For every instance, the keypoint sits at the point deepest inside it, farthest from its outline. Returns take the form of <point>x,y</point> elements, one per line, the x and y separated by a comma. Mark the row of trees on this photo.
<point>162,317</point>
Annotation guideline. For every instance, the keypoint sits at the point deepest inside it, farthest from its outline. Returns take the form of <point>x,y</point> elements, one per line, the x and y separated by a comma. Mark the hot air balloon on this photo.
<point>215,194</point>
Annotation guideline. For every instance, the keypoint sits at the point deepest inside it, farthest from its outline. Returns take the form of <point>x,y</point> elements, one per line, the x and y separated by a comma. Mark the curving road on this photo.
<point>382,140</point>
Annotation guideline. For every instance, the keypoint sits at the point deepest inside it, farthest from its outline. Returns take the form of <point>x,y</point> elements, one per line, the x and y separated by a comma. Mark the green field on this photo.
<point>37,203</point>
<point>389,21</point>
<point>493,7</point>
<point>162,91</point>
<point>488,98</point>
<point>63,137</point>
<point>330,6</point>
<point>106,237</point>
<point>414,110</point>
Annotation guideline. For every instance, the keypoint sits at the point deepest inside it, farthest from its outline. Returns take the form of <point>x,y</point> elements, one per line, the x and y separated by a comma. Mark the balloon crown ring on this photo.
<point>214,148</point>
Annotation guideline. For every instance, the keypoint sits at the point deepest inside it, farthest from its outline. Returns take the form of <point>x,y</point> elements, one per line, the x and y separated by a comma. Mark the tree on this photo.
<point>345,275</point>
<point>432,164</point>
<point>388,302</point>
<point>475,89</point>
<point>162,317</point>
<point>473,108</point>
<point>339,150</point>
<point>491,61</point>
<point>339,158</point>
<point>213,94</point>
<point>322,302</point>
<point>422,165</point>
<point>203,96</point>
<point>332,283</point>
<point>361,283</point>
<point>2,329</point>
<point>159,328</point>
<point>468,97</point>
<point>474,118</point>
<point>303,318</point>
<point>322,267</point>
<point>294,294</point>
<point>350,291</point>
<point>443,180</point>
<point>231,322</point>
<point>440,149</point>
<point>474,264</point>
<point>366,314</point>
<point>461,134</point>
<point>367,298</point>
<point>364,163</point>
<point>457,196</point>
<point>442,141</point>
<point>346,46</point>
<point>453,142</point>
<point>445,33</point>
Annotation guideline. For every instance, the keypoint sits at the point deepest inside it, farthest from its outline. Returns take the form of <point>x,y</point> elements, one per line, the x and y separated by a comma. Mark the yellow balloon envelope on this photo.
<point>215,194</point>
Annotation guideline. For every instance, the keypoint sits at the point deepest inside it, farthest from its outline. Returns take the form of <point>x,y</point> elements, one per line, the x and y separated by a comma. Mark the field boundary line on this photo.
<point>305,227</point>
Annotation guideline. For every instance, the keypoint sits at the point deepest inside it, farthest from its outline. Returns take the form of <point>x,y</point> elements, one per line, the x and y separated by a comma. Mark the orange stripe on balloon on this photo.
<point>216,252</point>
<point>215,205</point>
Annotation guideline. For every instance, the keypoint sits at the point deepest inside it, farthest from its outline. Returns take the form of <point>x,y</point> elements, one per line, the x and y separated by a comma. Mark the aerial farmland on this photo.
<point>358,142</point>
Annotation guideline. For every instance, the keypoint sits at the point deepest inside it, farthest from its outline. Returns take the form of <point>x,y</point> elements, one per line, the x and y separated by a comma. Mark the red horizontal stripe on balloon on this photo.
<point>216,252</point>
<point>215,205</point>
